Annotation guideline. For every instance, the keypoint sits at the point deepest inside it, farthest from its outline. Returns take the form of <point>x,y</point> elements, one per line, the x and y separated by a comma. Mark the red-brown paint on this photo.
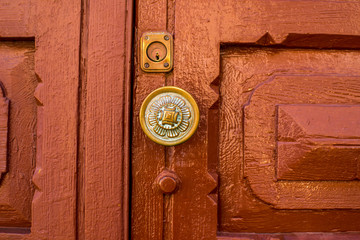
<point>104,119</point>
<point>18,129</point>
<point>65,67</point>
<point>253,67</point>
<point>232,179</point>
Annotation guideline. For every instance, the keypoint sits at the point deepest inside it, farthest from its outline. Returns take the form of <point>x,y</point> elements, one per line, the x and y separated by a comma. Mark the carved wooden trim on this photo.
<point>345,193</point>
<point>4,118</point>
<point>57,38</point>
<point>311,138</point>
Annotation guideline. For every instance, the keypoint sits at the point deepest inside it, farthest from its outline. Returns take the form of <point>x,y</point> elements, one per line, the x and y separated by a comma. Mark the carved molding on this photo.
<point>4,118</point>
<point>318,142</point>
<point>260,145</point>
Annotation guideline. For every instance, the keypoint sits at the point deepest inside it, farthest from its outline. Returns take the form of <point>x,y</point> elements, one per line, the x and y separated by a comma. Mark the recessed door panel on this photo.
<point>17,133</point>
<point>293,119</point>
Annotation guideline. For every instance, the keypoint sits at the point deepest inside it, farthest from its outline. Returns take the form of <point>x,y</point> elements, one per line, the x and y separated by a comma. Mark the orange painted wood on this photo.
<point>57,42</point>
<point>74,136</point>
<point>4,117</point>
<point>18,128</point>
<point>290,236</point>
<point>308,90</point>
<point>292,23</point>
<point>238,88</point>
<point>317,89</point>
<point>318,142</point>
<point>17,18</point>
<point>11,236</point>
<point>105,105</point>
<point>196,71</point>
<point>148,158</point>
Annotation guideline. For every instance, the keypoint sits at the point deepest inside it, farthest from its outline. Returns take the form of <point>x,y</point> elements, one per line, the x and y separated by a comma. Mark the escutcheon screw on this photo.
<point>166,65</point>
<point>146,65</point>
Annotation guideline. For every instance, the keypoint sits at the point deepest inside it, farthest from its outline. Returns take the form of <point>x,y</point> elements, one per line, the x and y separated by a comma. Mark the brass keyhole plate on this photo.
<point>169,116</point>
<point>156,50</point>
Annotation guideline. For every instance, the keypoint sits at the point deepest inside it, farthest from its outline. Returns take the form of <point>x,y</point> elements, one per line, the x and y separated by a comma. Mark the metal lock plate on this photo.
<point>156,52</point>
<point>169,116</point>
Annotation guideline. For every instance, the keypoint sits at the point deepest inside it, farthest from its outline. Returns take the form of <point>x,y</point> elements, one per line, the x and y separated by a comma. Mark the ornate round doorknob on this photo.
<point>169,116</point>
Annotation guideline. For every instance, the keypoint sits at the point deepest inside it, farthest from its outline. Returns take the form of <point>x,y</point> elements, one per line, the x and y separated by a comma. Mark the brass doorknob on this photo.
<point>169,116</point>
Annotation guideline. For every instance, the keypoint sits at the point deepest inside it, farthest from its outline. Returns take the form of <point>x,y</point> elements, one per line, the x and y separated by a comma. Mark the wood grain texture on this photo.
<point>201,29</point>
<point>148,158</point>
<point>186,211</point>
<point>303,23</point>
<point>259,140</point>
<point>104,104</point>
<point>18,83</point>
<point>334,82</point>
<point>11,236</point>
<point>289,236</point>
<point>4,118</point>
<point>57,42</point>
<point>196,69</point>
<point>17,18</point>
<point>106,52</point>
<point>317,142</point>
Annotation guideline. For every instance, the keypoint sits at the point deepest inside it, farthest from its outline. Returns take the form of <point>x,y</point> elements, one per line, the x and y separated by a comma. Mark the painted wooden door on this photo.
<point>64,109</point>
<point>276,154</point>
<point>38,66</point>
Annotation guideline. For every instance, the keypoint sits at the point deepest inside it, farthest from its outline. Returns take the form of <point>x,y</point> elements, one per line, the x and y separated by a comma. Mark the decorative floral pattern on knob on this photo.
<point>169,116</point>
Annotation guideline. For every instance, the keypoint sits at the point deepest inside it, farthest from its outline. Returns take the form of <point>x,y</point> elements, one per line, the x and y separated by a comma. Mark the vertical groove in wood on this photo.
<point>83,56</point>
<point>128,38</point>
<point>106,126</point>
<point>56,65</point>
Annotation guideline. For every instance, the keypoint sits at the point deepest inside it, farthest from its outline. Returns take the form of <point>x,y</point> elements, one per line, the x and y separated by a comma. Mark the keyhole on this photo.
<point>156,51</point>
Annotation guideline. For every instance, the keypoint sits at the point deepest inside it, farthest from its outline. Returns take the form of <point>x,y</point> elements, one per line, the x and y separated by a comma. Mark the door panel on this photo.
<point>317,142</point>
<point>39,71</point>
<point>296,113</point>
<point>17,18</point>
<point>276,82</point>
<point>18,132</point>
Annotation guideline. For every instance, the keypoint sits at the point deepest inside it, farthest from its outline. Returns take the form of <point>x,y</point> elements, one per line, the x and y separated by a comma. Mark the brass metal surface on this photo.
<point>169,116</point>
<point>156,52</point>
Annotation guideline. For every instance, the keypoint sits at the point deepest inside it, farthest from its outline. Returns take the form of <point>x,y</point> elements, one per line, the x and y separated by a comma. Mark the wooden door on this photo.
<point>276,153</point>
<point>38,66</point>
<point>64,109</point>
